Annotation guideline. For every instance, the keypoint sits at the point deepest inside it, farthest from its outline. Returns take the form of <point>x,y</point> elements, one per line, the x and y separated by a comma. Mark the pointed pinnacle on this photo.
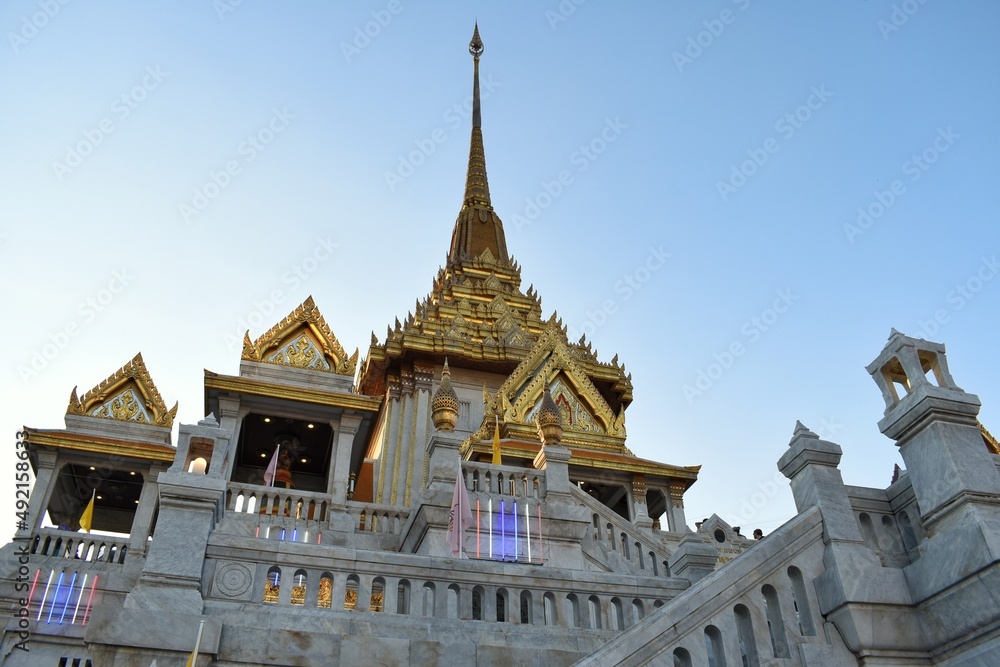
<point>476,45</point>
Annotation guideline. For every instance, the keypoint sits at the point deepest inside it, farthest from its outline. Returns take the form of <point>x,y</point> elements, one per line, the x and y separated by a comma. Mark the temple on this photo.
<point>464,495</point>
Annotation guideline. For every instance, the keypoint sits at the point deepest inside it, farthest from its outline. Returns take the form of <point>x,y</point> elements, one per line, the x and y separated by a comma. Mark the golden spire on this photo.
<point>477,188</point>
<point>478,227</point>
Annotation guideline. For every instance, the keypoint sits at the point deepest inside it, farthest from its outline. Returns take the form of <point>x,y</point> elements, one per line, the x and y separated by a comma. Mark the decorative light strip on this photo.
<point>90,598</point>
<point>45,596</point>
<point>79,598</point>
<point>69,594</point>
<point>62,596</point>
<point>55,596</point>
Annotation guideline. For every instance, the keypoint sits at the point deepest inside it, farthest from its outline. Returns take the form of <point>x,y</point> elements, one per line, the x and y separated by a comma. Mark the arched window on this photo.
<point>611,537</point>
<point>272,585</point>
<point>803,611</point>
<point>617,615</point>
<point>299,587</point>
<point>652,559</point>
<point>427,603</point>
<point>909,538</point>
<point>501,605</point>
<point>378,594</point>
<point>252,503</point>
<point>744,632</point>
<point>595,613</point>
<point>638,610</point>
<point>325,597</point>
<point>527,613</point>
<point>775,624</point>
<point>681,657</point>
<point>638,554</point>
<point>573,610</point>
<point>893,543</point>
<point>239,502</point>
<point>713,647</point>
<point>403,597</point>
<point>453,596</point>
<point>478,595</point>
<point>351,593</point>
<point>549,609</point>
<point>868,531</point>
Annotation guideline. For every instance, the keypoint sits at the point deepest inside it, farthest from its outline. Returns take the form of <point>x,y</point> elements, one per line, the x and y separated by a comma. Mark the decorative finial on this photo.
<point>548,419</point>
<point>476,45</point>
<point>444,404</point>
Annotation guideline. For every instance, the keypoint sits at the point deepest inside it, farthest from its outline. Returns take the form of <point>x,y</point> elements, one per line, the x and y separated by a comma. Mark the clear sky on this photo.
<point>677,180</point>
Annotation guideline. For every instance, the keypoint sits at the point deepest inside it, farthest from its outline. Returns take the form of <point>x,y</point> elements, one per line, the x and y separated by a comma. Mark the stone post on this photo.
<point>45,477</point>
<point>693,559</point>
<point>143,519</point>
<point>341,468</point>
<point>444,463</point>
<point>171,578</point>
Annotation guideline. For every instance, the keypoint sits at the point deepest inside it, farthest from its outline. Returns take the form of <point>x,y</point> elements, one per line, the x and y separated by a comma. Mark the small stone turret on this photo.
<point>549,421</point>
<point>444,405</point>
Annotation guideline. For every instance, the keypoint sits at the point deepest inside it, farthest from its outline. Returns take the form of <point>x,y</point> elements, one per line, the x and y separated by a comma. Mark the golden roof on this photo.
<point>127,395</point>
<point>303,340</point>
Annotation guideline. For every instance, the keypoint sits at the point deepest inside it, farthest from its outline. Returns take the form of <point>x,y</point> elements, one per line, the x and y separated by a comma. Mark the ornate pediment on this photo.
<point>128,395</point>
<point>301,340</point>
<point>575,417</point>
<point>551,363</point>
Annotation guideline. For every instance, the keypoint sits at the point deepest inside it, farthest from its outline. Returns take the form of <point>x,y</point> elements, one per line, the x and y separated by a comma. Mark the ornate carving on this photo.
<point>234,580</point>
<point>325,592</point>
<point>304,340</point>
<point>639,487</point>
<point>128,395</point>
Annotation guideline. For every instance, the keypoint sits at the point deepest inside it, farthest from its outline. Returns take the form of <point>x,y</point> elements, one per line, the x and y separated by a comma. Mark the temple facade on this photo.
<point>464,495</point>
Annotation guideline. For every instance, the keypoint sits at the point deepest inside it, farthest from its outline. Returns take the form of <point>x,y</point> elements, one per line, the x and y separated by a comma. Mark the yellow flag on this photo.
<point>496,444</point>
<point>87,518</point>
<point>193,658</point>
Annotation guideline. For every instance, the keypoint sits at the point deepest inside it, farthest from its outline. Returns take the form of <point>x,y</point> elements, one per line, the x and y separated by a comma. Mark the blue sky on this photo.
<point>677,180</point>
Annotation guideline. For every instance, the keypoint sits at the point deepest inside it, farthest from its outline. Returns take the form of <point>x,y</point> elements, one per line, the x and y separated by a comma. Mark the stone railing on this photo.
<point>513,481</point>
<point>274,513</point>
<point>373,518</point>
<point>87,547</point>
<point>506,504</point>
<point>892,534</point>
<point>755,612</point>
<point>256,499</point>
<point>619,536</point>
<point>397,585</point>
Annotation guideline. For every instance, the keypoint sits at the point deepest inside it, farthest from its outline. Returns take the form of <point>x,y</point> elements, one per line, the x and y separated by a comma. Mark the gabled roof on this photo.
<point>551,363</point>
<point>127,395</point>
<point>303,340</point>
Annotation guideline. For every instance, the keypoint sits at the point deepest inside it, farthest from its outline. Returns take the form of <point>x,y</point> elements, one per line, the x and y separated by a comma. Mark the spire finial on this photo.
<point>476,45</point>
<point>471,237</point>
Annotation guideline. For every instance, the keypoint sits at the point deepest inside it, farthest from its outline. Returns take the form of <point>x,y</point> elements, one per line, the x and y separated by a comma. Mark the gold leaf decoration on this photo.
<point>128,395</point>
<point>303,339</point>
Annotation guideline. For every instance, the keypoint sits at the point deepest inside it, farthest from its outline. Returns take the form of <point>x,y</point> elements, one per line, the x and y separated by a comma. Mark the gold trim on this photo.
<point>133,373</point>
<point>305,317</point>
<point>266,389</point>
<point>992,443</point>
<point>549,358</point>
<point>98,445</point>
<point>383,455</point>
